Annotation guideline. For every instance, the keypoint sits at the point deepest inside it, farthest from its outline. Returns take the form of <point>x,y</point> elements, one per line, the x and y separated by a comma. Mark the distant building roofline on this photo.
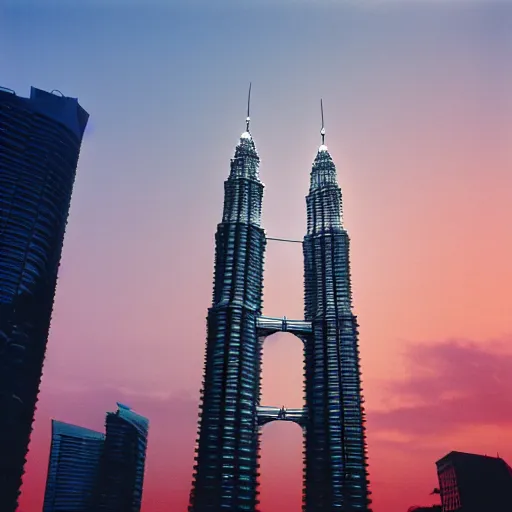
<point>62,109</point>
<point>141,423</point>
<point>455,453</point>
<point>68,429</point>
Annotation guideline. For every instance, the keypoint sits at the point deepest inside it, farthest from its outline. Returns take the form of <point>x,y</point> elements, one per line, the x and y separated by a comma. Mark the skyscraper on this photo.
<point>121,475</point>
<point>226,472</point>
<point>73,468</point>
<point>40,140</point>
<point>93,472</point>
<point>335,469</point>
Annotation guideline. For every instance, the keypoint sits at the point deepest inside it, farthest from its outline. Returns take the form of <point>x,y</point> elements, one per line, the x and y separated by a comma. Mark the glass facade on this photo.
<point>226,470</point>
<point>121,475</point>
<point>73,468</point>
<point>93,472</point>
<point>335,476</point>
<point>40,140</point>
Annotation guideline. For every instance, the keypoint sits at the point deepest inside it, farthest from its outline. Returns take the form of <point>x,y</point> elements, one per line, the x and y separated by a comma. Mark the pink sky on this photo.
<point>419,123</point>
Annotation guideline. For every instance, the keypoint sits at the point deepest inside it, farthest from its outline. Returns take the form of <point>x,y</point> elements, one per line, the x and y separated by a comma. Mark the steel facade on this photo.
<point>231,416</point>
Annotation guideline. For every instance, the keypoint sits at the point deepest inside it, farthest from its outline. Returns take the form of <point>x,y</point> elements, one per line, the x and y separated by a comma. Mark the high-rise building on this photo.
<point>335,469</point>
<point>40,140</point>
<point>227,458</point>
<point>121,475</point>
<point>474,483</point>
<point>226,472</point>
<point>93,472</point>
<point>73,468</point>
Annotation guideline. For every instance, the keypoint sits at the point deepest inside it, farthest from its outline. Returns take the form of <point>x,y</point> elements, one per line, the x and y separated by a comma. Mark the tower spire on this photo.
<point>322,131</point>
<point>323,147</point>
<point>247,134</point>
<point>248,119</point>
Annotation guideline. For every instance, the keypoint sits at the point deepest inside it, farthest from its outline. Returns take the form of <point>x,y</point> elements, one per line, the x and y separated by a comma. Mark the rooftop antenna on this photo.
<point>248,119</point>
<point>322,131</point>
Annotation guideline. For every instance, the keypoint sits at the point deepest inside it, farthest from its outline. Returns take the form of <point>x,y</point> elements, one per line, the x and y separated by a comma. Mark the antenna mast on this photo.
<point>248,119</point>
<point>322,131</point>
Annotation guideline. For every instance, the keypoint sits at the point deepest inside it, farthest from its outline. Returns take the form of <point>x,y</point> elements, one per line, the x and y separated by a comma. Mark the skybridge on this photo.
<point>268,325</point>
<point>268,414</point>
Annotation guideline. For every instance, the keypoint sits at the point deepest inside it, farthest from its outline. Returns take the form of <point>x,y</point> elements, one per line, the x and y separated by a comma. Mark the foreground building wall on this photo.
<point>40,141</point>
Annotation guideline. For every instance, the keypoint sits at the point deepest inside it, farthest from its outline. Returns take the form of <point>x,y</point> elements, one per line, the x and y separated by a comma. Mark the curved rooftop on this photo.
<point>139,422</point>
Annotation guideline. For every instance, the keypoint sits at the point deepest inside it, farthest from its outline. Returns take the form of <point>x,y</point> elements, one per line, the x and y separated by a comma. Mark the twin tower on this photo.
<point>335,468</point>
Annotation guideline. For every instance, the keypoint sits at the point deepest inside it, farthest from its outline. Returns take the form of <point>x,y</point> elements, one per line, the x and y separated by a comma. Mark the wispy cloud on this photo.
<point>452,385</point>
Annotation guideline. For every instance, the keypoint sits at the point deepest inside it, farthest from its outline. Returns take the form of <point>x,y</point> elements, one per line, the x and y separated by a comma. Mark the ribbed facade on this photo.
<point>335,448</point>
<point>121,475</point>
<point>40,141</point>
<point>335,467</point>
<point>226,472</point>
<point>73,468</point>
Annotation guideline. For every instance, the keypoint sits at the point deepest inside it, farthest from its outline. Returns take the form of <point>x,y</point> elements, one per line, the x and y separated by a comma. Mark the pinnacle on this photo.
<point>323,171</point>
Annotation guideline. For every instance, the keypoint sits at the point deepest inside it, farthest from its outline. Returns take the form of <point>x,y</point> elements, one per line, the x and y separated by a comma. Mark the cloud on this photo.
<point>452,385</point>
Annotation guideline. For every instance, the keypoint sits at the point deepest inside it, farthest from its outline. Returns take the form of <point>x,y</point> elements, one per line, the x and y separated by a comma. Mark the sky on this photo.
<point>418,116</point>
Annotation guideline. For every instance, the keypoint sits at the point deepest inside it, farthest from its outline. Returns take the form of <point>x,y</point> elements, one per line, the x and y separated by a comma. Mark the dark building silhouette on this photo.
<point>226,472</point>
<point>474,483</point>
<point>40,141</point>
<point>73,468</point>
<point>121,475</point>
<point>93,472</point>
